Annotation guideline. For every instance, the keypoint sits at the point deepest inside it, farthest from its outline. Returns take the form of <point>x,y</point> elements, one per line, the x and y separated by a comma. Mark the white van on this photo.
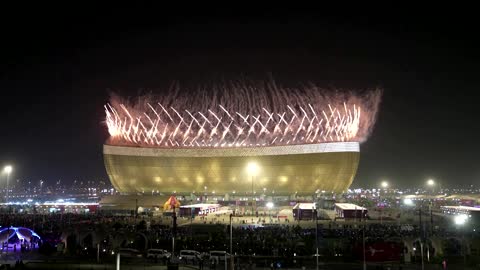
<point>189,255</point>
<point>218,256</point>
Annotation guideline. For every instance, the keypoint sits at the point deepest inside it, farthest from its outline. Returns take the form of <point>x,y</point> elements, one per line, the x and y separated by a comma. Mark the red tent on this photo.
<point>380,251</point>
<point>171,203</point>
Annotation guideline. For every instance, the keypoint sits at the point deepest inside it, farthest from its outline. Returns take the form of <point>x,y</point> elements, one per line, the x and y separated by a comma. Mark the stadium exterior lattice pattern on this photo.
<point>283,170</point>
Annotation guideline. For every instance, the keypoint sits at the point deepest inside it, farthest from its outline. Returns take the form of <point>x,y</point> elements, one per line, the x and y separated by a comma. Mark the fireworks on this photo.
<point>242,115</point>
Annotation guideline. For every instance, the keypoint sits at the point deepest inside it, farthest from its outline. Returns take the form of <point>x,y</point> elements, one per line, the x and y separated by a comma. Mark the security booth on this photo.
<point>304,211</point>
<point>200,209</point>
<point>350,211</point>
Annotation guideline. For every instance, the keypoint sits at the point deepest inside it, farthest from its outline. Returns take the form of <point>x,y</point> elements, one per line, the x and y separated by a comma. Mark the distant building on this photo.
<point>304,211</point>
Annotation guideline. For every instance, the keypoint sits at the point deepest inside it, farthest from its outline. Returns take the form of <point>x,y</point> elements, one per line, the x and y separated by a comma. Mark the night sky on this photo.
<point>56,72</point>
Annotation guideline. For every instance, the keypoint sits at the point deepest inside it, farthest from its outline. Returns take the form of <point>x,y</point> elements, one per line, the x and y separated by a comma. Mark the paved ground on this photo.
<point>388,216</point>
<point>33,260</point>
<point>78,265</point>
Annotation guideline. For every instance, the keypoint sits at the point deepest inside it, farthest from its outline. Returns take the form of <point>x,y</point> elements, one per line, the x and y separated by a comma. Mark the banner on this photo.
<point>380,251</point>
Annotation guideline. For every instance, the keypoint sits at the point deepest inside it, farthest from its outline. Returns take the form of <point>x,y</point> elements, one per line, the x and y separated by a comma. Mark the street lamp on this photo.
<point>252,170</point>
<point>8,169</point>
<point>430,182</point>
<point>384,185</point>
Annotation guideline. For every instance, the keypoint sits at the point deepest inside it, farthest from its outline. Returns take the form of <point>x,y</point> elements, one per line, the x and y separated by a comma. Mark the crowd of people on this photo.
<point>284,240</point>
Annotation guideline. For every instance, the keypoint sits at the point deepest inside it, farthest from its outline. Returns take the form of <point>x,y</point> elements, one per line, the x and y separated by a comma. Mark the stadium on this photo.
<point>236,140</point>
<point>280,170</point>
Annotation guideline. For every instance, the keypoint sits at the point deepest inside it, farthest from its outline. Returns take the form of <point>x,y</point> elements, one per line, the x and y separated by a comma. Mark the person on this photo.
<point>444,264</point>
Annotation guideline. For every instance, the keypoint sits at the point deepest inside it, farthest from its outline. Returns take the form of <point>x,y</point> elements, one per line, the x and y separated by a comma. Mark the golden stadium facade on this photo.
<point>282,170</point>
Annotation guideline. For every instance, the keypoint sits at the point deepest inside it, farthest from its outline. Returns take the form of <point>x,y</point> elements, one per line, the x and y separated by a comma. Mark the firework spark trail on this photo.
<point>242,115</point>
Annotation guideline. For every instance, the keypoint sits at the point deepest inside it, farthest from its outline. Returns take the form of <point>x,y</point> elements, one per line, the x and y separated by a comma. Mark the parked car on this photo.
<point>190,255</point>
<point>158,254</point>
<point>130,253</point>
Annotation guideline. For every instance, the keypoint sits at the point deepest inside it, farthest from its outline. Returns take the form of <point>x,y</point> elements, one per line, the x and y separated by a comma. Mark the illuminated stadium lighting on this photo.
<point>8,169</point>
<point>408,201</point>
<point>270,205</point>
<point>252,168</point>
<point>460,219</point>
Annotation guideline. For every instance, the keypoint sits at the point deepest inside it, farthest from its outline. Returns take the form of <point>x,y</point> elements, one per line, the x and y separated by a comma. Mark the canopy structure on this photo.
<point>171,203</point>
<point>11,233</point>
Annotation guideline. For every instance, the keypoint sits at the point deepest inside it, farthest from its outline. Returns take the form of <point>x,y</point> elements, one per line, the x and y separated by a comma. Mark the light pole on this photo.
<point>421,254</point>
<point>431,183</point>
<point>174,231</point>
<point>231,244</point>
<point>363,240</point>
<point>7,170</point>
<point>460,221</point>
<point>118,261</point>
<point>316,234</point>
<point>384,185</point>
<point>252,170</point>
<point>422,232</point>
